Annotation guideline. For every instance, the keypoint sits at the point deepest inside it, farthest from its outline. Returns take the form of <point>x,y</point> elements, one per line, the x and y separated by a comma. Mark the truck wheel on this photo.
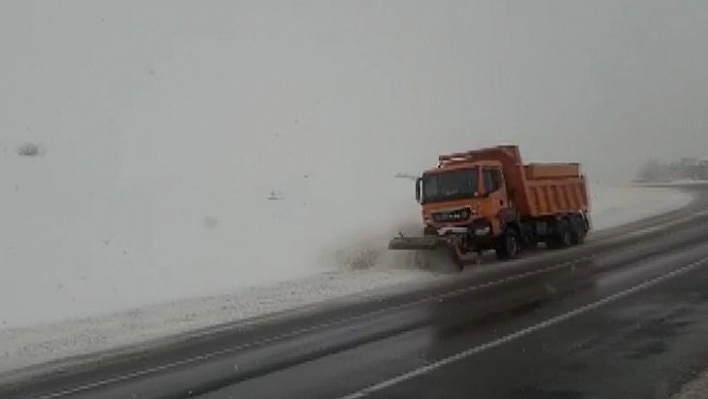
<point>508,246</point>
<point>577,231</point>
<point>531,243</point>
<point>564,233</point>
<point>561,237</point>
<point>458,258</point>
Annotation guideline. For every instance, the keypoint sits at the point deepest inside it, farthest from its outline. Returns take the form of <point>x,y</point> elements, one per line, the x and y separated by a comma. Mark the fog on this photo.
<point>165,125</point>
<point>392,82</point>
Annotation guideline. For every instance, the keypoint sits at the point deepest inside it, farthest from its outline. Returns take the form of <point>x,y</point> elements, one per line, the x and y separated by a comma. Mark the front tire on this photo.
<point>508,246</point>
<point>458,258</point>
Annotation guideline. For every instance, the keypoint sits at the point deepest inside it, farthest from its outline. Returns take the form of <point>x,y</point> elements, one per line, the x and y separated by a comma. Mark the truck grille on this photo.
<point>452,215</point>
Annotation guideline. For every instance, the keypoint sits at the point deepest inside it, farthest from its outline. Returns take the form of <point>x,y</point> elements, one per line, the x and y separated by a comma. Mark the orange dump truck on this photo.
<point>488,199</point>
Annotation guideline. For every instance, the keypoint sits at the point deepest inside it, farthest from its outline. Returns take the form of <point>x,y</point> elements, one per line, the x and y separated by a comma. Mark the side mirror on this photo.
<point>418,189</point>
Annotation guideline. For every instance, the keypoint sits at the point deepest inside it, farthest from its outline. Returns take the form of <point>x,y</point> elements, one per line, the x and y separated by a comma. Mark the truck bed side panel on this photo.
<point>543,171</point>
<point>550,197</point>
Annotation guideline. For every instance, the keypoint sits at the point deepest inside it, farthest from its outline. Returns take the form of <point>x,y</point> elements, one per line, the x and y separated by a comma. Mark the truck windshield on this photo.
<point>452,185</point>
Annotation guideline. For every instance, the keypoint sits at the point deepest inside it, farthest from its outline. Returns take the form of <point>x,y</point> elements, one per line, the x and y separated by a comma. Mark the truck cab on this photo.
<point>468,198</point>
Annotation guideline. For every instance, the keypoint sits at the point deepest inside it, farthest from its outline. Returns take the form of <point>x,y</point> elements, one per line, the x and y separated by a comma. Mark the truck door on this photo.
<point>494,184</point>
<point>496,198</point>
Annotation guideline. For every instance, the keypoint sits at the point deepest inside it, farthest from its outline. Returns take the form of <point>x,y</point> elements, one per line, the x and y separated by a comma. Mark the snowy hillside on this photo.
<point>83,242</point>
<point>76,241</point>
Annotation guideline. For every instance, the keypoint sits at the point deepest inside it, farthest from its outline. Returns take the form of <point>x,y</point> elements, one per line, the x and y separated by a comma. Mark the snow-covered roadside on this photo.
<point>669,183</point>
<point>695,389</point>
<point>20,347</point>
<point>617,205</point>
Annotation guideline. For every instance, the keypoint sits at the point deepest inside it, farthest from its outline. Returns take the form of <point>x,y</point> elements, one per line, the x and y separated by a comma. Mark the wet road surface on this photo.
<point>625,315</point>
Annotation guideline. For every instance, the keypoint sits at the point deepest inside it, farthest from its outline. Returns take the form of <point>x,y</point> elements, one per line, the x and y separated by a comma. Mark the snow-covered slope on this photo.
<point>79,242</point>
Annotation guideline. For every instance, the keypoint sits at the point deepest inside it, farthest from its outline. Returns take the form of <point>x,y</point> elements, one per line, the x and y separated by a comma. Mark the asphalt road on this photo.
<point>625,316</point>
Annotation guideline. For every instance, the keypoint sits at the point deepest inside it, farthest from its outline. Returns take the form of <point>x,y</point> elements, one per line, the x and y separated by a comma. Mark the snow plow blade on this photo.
<point>431,242</point>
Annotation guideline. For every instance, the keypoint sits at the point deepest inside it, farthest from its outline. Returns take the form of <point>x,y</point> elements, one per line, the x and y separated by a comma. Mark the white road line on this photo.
<point>518,334</point>
<point>183,362</point>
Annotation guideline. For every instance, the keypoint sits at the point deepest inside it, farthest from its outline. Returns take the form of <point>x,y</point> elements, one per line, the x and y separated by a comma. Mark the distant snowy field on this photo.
<point>91,263</point>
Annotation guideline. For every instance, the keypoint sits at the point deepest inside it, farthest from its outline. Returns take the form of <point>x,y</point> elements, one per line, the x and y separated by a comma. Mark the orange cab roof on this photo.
<point>461,164</point>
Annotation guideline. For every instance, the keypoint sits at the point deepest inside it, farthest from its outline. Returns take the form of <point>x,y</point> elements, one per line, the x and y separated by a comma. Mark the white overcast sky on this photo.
<point>278,87</point>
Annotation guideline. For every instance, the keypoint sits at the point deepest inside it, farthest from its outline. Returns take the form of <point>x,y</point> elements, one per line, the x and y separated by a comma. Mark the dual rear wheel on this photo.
<point>567,232</point>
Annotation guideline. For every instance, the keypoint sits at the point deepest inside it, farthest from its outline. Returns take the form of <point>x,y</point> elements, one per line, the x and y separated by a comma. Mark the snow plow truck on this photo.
<point>487,199</point>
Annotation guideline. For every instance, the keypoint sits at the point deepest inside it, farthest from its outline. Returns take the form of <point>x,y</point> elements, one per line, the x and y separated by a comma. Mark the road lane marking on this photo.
<point>521,333</point>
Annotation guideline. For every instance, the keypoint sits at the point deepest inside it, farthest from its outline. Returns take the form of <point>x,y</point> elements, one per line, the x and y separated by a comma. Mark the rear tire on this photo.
<point>577,231</point>
<point>561,237</point>
<point>531,243</point>
<point>508,246</point>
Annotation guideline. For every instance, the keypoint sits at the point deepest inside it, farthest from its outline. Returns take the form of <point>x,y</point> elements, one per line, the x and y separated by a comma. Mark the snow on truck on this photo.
<point>488,199</point>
